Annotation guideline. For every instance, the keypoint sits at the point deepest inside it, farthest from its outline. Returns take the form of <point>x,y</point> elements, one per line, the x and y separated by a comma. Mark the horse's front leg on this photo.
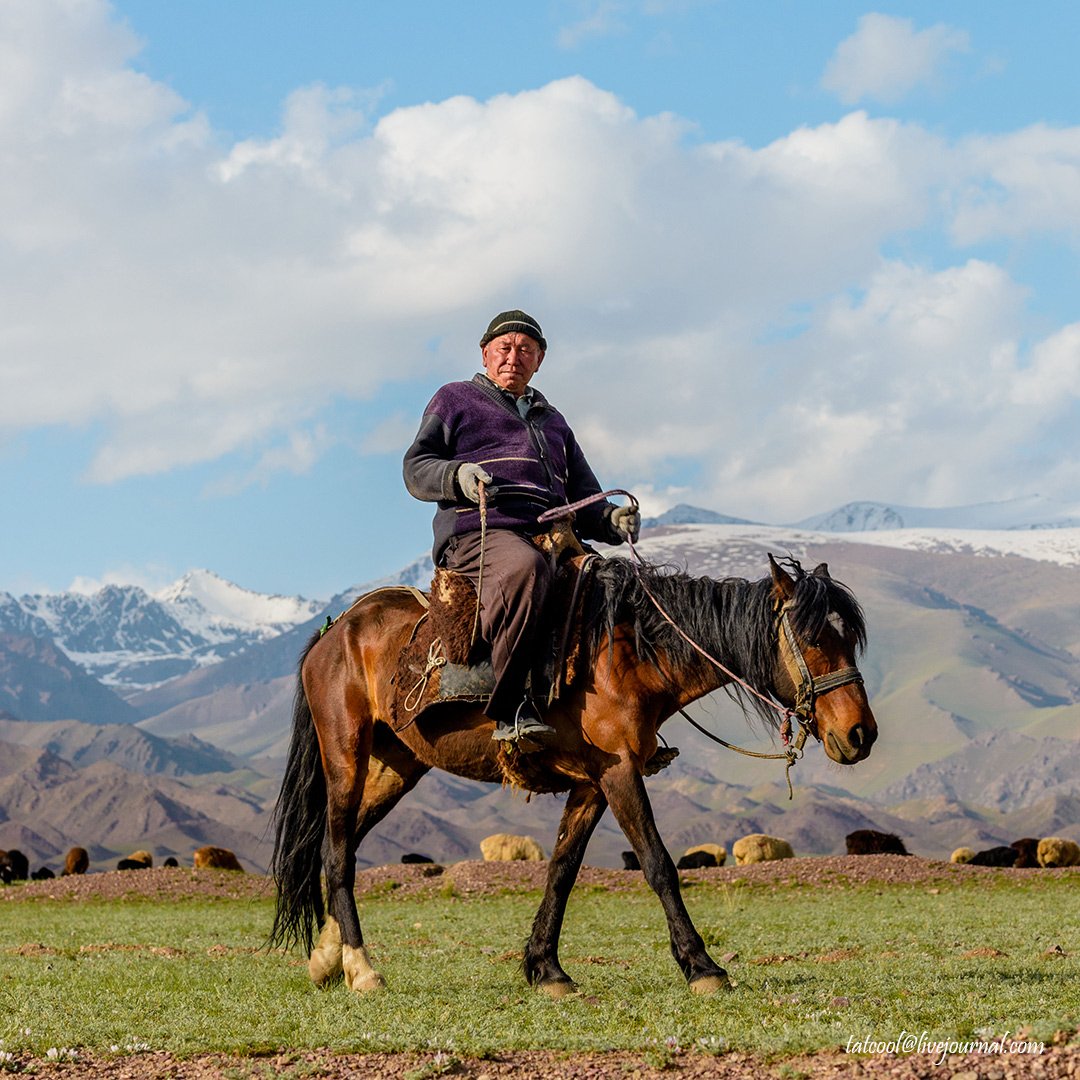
<point>584,808</point>
<point>625,792</point>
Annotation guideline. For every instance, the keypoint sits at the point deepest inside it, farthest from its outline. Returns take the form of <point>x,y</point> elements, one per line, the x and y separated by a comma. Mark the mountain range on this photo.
<point>131,639</point>
<point>131,720</point>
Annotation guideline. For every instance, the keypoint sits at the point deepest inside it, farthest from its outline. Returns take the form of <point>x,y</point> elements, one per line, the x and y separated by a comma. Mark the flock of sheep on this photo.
<point>759,847</point>
<point>1031,852</point>
<point>14,865</point>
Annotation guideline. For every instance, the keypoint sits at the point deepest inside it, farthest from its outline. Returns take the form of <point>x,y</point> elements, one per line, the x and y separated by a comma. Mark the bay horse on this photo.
<point>792,637</point>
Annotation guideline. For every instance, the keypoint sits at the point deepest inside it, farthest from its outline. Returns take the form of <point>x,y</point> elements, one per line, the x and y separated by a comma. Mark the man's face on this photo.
<point>511,361</point>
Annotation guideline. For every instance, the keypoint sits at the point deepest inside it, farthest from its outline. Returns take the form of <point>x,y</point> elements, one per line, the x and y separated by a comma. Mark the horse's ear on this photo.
<point>783,583</point>
<point>821,570</point>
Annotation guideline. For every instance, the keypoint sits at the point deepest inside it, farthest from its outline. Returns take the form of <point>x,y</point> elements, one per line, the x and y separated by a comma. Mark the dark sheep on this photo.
<point>630,861</point>
<point>695,860</point>
<point>872,842</point>
<point>413,857</point>
<point>1027,852</point>
<point>14,866</point>
<point>42,874</point>
<point>171,861</point>
<point>131,864</point>
<point>995,856</point>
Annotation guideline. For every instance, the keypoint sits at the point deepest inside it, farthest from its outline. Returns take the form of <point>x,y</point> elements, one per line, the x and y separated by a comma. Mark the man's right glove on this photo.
<point>626,522</point>
<point>469,477</point>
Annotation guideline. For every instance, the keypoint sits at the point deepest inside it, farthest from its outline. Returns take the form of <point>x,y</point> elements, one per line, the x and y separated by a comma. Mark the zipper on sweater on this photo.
<point>541,449</point>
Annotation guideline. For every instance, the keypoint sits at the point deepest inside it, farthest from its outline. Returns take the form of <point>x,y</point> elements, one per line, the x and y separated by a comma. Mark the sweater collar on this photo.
<point>531,396</point>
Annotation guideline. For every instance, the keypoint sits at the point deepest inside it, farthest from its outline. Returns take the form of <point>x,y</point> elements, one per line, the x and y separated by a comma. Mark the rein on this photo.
<point>807,686</point>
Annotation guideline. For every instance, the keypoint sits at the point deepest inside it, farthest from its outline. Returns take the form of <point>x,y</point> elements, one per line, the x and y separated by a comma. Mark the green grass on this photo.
<point>815,967</point>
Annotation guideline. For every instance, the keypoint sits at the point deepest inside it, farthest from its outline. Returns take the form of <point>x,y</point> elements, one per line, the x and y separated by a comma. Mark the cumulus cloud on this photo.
<point>743,339</point>
<point>886,58</point>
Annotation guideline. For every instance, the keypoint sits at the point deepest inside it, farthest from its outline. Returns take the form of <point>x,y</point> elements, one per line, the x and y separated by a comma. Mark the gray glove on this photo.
<point>469,476</point>
<point>626,522</point>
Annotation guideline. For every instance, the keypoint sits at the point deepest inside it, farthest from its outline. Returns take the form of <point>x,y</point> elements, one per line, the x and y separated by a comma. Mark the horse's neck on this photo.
<point>727,645</point>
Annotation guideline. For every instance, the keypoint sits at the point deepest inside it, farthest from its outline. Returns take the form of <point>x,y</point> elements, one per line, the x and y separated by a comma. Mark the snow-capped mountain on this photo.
<point>684,514</point>
<point>131,639</point>
<point>1028,512</point>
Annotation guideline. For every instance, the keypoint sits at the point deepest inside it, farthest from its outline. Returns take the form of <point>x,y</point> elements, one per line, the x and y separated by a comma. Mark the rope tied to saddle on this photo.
<point>435,659</point>
<point>793,749</point>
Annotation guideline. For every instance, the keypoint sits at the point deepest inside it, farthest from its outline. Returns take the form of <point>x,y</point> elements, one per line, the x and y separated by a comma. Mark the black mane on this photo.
<point>732,618</point>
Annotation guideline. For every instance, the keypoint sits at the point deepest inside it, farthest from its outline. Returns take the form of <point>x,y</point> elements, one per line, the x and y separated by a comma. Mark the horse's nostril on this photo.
<point>856,735</point>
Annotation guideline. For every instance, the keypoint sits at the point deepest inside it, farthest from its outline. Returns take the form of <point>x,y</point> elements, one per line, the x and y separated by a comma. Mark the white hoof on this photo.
<point>710,984</point>
<point>360,976</point>
<point>324,964</point>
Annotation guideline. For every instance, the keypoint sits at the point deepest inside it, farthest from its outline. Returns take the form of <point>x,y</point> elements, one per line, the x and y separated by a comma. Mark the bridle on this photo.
<point>808,688</point>
<point>801,719</point>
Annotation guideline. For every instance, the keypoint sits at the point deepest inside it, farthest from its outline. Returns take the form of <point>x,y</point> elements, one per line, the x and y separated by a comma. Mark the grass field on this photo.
<point>815,968</point>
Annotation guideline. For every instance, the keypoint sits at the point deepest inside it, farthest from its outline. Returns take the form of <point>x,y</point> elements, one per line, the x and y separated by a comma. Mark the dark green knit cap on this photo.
<point>513,322</point>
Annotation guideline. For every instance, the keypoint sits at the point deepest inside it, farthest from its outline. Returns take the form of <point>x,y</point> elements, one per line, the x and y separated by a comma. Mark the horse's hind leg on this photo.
<point>584,808</point>
<point>389,771</point>
<point>625,791</point>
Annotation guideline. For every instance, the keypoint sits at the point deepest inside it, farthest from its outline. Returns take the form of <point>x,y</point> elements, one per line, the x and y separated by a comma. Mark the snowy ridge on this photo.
<point>1061,546</point>
<point>132,640</point>
<point>210,606</point>
<point>1027,512</point>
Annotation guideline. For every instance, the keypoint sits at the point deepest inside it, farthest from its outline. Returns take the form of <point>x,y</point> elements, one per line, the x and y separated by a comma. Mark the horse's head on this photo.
<point>820,632</point>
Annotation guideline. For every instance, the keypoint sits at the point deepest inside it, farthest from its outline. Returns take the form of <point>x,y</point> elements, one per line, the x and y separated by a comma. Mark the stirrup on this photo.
<point>527,728</point>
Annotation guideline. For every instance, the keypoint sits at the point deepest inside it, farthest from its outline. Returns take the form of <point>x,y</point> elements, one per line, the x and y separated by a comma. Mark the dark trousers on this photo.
<point>516,581</point>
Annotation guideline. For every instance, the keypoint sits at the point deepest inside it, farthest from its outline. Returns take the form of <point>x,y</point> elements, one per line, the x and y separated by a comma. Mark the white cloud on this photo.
<point>1021,183</point>
<point>723,323</point>
<point>886,58</point>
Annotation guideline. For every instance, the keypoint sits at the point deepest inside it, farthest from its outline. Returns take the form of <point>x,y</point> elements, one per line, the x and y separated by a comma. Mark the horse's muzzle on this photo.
<point>855,748</point>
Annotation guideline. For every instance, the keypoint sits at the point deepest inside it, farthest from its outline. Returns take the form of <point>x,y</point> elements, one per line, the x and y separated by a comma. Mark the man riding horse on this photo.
<point>494,445</point>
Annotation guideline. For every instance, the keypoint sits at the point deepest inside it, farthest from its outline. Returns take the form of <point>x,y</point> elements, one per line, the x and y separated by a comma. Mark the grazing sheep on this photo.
<point>630,861</point>
<point>216,858</point>
<point>505,847</point>
<point>1057,851</point>
<point>77,861</point>
<point>717,851</point>
<point>413,857</point>
<point>962,855</point>
<point>43,873</point>
<point>137,860</point>
<point>171,861</point>
<point>872,842</point>
<point>14,866</point>
<point>1027,852</point>
<point>758,847</point>
<point>697,861</point>
<point>995,856</point>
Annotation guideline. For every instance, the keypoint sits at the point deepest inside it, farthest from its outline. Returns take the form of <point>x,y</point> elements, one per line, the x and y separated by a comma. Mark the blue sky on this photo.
<point>787,255</point>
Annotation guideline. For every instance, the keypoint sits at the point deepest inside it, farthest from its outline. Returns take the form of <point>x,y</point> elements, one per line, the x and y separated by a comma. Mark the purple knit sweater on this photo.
<point>534,461</point>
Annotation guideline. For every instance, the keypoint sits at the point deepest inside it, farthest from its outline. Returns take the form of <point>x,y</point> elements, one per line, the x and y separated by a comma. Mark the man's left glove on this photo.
<point>625,522</point>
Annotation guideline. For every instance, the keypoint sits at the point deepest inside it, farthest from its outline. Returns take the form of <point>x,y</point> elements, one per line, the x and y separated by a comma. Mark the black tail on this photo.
<point>299,823</point>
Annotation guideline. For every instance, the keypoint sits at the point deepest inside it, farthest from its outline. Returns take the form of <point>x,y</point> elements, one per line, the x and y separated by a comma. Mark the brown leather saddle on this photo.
<point>445,660</point>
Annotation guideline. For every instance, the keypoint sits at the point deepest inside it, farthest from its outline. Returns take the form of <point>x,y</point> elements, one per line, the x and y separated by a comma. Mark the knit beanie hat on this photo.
<point>513,322</point>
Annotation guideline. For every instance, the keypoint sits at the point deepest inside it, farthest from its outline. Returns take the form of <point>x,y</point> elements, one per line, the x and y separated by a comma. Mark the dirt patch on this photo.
<point>667,1064</point>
